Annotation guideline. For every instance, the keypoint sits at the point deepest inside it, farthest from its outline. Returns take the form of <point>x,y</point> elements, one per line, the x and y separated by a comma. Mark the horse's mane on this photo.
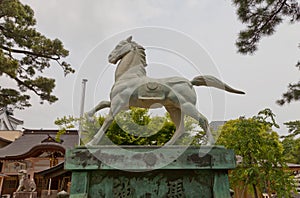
<point>140,51</point>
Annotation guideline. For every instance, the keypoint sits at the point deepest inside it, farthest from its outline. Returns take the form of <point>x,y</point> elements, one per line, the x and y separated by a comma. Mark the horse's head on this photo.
<point>122,49</point>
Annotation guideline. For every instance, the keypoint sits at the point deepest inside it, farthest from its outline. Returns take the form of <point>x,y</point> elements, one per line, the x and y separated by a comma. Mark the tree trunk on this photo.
<point>255,191</point>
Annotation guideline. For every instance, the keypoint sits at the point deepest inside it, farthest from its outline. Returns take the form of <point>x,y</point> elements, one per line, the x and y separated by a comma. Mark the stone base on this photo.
<point>25,195</point>
<point>138,171</point>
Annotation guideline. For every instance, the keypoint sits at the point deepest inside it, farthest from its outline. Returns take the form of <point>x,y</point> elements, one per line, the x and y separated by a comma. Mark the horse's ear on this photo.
<point>129,39</point>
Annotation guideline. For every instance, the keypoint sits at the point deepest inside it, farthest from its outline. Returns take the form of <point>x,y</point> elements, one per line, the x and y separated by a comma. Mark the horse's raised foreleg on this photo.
<point>117,105</point>
<point>177,117</point>
<point>103,104</point>
<point>190,110</point>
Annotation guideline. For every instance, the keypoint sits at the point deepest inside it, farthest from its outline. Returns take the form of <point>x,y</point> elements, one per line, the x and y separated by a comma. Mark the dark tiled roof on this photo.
<point>33,141</point>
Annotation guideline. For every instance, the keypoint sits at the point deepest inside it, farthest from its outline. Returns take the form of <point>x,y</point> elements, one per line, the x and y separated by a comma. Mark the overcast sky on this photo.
<point>90,29</point>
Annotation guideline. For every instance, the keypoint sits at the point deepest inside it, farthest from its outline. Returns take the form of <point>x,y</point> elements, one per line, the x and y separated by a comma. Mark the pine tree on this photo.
<point>24,55</point>
<point>261,18</point>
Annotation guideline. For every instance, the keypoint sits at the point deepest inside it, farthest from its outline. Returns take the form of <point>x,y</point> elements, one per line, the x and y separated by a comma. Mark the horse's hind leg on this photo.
<point>190,109</point>
<point>177,117</point>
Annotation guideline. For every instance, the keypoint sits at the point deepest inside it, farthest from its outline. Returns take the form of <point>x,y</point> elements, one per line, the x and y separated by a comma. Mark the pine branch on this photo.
<point>28,53</point>
<point>272,16</point>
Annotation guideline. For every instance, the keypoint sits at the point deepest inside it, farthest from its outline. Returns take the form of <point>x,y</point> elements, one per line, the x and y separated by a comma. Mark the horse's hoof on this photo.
<point>89,117</point>
<point>89,144</point>
<point>210,143</point>
<point>168,143</point>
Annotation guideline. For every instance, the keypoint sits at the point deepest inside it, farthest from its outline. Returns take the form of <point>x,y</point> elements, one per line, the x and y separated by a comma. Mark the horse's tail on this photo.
<point>211,81</point>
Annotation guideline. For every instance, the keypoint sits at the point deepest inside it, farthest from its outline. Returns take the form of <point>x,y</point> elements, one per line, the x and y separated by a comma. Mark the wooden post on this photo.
<point>49,188</point>
<point>1,184</point>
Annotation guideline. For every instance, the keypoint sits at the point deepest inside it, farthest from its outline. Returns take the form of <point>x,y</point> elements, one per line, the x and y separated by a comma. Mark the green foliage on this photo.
<point>293,127</point>
<point>133,127</point>
<point>264,116</point>
<point>291,142</point>
<point>25,54</point>
<point>263,163</point>
<point>293,93</point>
<point>65,123</point>
<point>291,150</point>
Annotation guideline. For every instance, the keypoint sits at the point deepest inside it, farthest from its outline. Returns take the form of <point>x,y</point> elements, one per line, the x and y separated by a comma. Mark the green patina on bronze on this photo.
<point>192,171</point>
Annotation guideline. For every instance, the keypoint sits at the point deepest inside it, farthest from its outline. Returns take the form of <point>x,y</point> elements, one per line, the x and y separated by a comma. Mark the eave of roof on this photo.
<point>5,140</point>
<point>53,171</point>
<point>35,151</point>
<point>8,118</point>
<point>17,121</point>
<point>47,131</point>
<point>31,143</point>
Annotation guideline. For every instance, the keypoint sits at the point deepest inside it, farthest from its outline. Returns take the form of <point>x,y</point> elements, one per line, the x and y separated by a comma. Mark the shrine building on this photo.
<point>35,150</point>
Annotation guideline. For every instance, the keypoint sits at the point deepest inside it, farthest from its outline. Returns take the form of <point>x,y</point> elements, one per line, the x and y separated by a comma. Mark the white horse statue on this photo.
<point>132,88</point>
